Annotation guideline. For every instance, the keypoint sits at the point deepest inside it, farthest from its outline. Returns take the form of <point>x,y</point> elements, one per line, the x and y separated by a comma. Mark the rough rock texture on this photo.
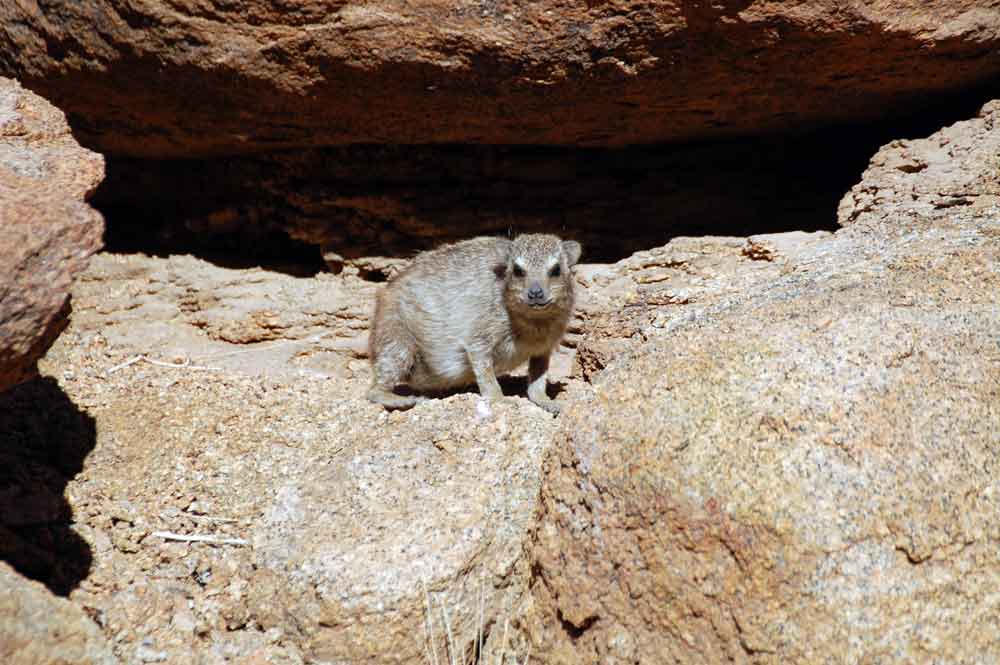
<point>172,78</point>
<point>440,497</point>
<point>956,169</point>
<point>256,320</point>
<point>805,469</point>
<point>302,119</point>
<point>777,449</point>
<point>260,432</point>
<point>253,426</point>
<point>48,231</point>
<point>650,288</point>
<point>39,629</point>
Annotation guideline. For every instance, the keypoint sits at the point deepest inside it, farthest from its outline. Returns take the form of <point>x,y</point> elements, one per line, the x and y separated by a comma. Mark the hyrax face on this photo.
<point>537,274</point>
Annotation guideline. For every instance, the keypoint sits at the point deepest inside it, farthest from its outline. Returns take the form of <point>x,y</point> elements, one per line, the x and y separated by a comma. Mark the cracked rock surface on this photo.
<point>39,629</point>
<point>224,78</point>
<point>779,448</point>
<point>228,403</point>
<point>804,469</point>
<point>49,232</point>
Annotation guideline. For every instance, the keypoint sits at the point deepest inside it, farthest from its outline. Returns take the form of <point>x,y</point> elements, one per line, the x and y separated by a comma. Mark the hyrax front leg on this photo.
<point>486,378</point>
<point>538,372</point>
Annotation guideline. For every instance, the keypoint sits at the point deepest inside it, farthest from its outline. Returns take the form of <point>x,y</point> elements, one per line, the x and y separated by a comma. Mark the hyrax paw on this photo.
<point>549,405</point>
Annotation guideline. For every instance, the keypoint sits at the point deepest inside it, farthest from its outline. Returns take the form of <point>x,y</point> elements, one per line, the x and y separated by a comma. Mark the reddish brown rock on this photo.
<point>49,232</point>
<point>799,464</point>
<point>954,169</point>
<point>198,77</point>
<point>784,446</point>
<point>37,628</point>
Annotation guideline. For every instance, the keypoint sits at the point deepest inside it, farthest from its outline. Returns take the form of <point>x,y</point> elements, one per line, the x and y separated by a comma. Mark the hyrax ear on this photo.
<point>572,249</point>
<point>503,259</point>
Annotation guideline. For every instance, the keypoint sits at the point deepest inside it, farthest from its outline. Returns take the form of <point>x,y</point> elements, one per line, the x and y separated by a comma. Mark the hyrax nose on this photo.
<point>536,292</point>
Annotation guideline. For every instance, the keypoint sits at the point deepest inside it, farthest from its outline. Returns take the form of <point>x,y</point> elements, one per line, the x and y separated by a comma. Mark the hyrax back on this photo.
<point>469,311</point>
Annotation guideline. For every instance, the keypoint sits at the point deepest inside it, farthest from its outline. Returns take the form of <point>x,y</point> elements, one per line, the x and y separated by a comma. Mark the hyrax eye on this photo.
<point>518,271</point>
<point>556,271</point>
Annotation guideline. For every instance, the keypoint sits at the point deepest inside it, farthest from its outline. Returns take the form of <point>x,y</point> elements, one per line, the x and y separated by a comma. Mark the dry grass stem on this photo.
<point>196,538</point>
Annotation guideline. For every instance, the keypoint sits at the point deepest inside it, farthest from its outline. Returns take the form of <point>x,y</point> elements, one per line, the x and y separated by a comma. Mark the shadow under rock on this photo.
<point>517,386</point>
<point>512,386</point>
<point>44,440</point>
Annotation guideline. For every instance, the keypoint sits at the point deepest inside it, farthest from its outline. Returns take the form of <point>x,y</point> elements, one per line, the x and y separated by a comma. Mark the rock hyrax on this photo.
<point>469,311</point>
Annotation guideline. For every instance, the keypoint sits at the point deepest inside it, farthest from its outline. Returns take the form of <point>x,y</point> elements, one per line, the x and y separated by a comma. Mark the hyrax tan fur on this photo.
<point>469,311</point>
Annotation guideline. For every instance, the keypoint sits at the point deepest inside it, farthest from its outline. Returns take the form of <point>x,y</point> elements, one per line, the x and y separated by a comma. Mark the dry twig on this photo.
<point>159,363</point>
<point>195,538</point>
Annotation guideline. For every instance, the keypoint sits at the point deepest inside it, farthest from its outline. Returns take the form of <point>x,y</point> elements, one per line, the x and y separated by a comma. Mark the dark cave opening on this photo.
<point>283,209</point>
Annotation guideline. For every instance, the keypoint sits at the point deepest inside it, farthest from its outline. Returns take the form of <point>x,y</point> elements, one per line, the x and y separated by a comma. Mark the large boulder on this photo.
<point>49,232</point>
<point>173,78</point>
<point>301,119</point>
<point>804,470</point>
<point>954,170</point>
<point>36,628</point>
<point>746,476</point>
<point>229,404</point>
<point>408,510</point>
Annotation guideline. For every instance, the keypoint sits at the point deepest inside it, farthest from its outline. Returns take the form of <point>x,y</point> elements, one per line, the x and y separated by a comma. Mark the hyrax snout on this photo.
<point>467,312</point>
